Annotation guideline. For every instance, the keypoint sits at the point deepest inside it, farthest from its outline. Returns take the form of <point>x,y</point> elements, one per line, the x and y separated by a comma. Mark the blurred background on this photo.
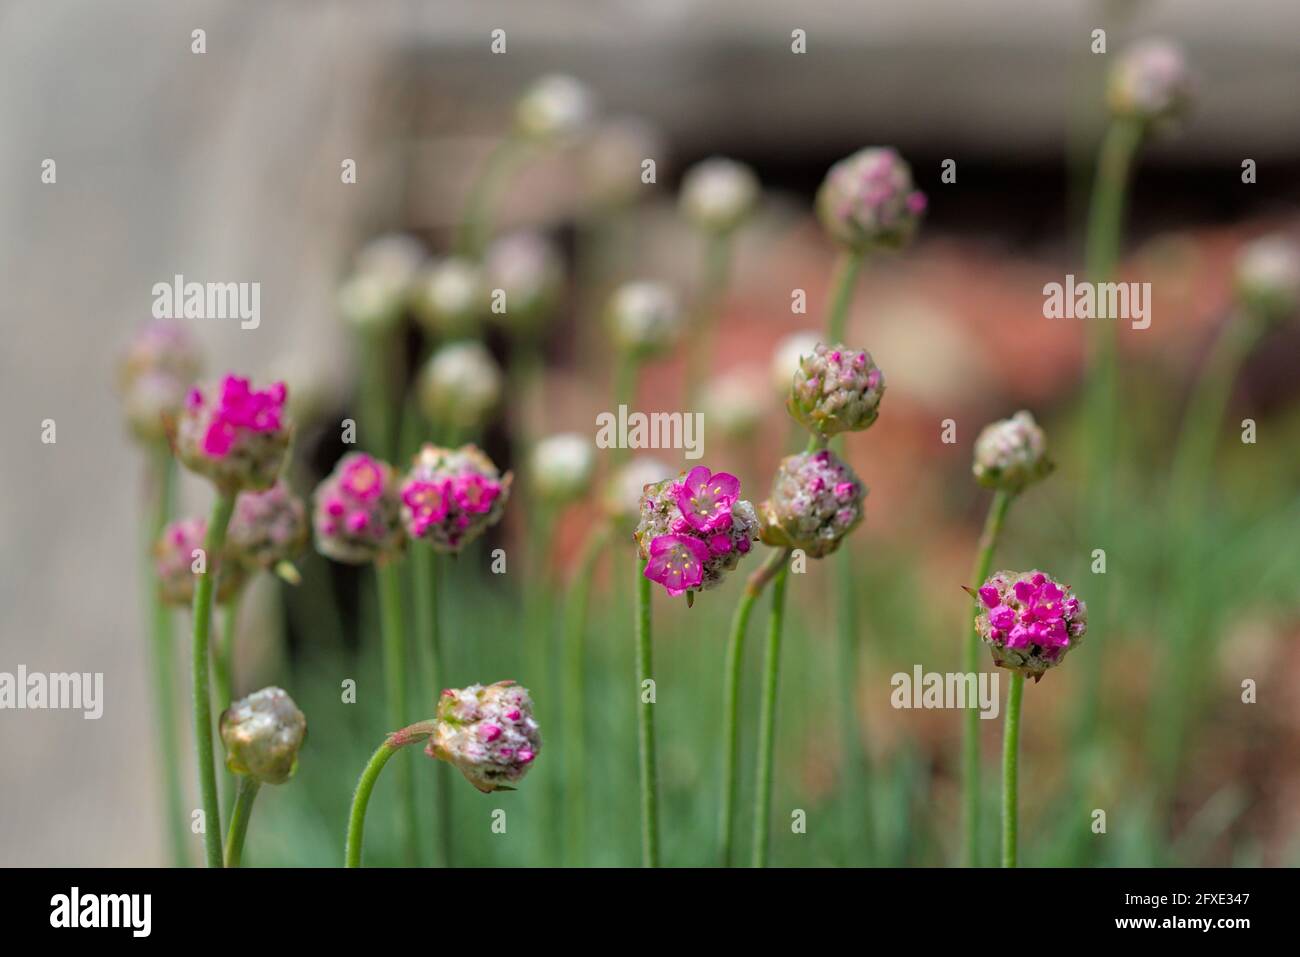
<point>225,166</point>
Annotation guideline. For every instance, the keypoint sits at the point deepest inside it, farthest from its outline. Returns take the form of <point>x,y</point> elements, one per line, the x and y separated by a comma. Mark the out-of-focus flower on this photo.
<point>356,512</point>
<point>262,734</point>
<point>373,297</point>
<point>1029,621</point>
<point>836,389</point>
<point>174,557</point>
<point>645,318</point>
<point>734,402</point>
<point>1011,454</point>
<point>460,385</point>
<point>694,530</point>
<point>235,435</point>
<point>267,529</point>
<point>787,358</point>
<point>1151,82</point>
<point>718,194</point>
<point>450,300</point>
<point>561,467</point>
<point>816,500</point>
<point>311,389</point>
<point>628,484</point>
<point>527,269</point>
<point>1267,280</point>
<point>555,106</point>
<point>452,496</point>
<point>613,157</point>
<point>154,376</point>
<point>868,201</point>
<point>488,733</point>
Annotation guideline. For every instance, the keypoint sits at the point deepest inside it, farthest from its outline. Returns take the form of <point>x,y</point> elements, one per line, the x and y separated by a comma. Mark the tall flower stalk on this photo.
<point>767,723</point>
<point>648,769</point>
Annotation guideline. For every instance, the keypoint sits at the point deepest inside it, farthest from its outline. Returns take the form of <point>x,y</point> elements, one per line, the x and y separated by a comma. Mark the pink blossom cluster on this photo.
<point>868,201</point>
<point>174,556</point>
<point>489,733</point>
<point>267,527</point>
<point>356,511</point>
<point>451,496</point>
<point>816,500</point>
<point>237,435</point>
<point>1029,621</point>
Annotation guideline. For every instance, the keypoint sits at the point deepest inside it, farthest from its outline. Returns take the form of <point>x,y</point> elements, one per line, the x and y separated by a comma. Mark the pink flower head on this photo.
<point>451,496</point>
<point>489,733</point>
<point>705,498</point>
<point>677,562</point>
<point>356,512</point>
<point>236,435</point>
<point>1029,621</point>
<point>427,502</point>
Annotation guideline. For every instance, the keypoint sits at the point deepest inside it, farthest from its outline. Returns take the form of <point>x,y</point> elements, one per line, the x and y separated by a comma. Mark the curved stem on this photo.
<point>394,639</point>
<point>575,697</point>
<point>731,699</point>
<point>361,800</point>
<point>1010,767</point>
<point>428,644</point>
<point>846,278</point>
<point>646,724</point>
<point>212,547</point>
<point>767,723</point>
<point>243,810</point>
<point>971,656</point>
<point>163,657</point>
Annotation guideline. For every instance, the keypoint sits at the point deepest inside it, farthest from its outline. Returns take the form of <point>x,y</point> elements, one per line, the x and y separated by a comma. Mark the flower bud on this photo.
<point>554,107</point>
<point>527,269</point>
<point>694,530</point>
<point>816,500</point>
<point>645,318</point>
<point>561,467</point>
<point>718,194</point>
<point>787,358</point>
<point>174,558</point>
<point>460,385</point>
<point>154,376</point>
<point>1150,82</point>
<point>1267,278</point>
<point>235,435</point>
<point>267,528</point>
<point>624,490</point>
<point>1011,454</point>
<point>357,507</point>
<point>450,300</point>
<point>836,389</point>
<point>1029,621</point>
<point>735,403</point>
<point>374,296</point>
<point>452,496</point>
<point>488,733</point>
<point>262,734</point>
<point>868,201</point>
<point>612,161</point>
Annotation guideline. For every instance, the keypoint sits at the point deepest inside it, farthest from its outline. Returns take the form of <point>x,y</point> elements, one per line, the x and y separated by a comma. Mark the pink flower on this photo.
<point>705,499</point>
<point>427,502</point>
<point>1031,621</point>
<point>234,434</point>
<point>677,562</point>
<point>242,408</point>
<point>476,493</point>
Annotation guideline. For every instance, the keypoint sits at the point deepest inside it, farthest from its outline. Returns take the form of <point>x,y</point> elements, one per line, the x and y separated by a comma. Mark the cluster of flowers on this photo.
<point>488,733</point>
<point>1029,621</point>
<point>235,435</point>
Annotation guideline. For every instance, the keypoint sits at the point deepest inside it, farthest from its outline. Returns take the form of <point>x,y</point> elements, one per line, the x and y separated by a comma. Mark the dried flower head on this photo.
<point>527,269</point>
<point>267,528</point>
<point>644,318</point>
<point>718,194</point>
<point>262,734</point>
<point>174,557</point>
<point>788,356</point>
<point>452,496</point>
<point>836,389</point>
<point>816,500</point>
<point>561,467</point>
<point>694,529</point>
<point>1151,82</point>
<point>1268,278</point>
<point>154,376</point>
<point>449,298</point>
<point>356,517</point>
<point>1029,621</point>
<point>1011,454</point>
<point>628,484</point>
<point>460,385</point>
<point>488,733</point>
<point>235,435</point>
<point>868,201</point>
<point>555,106</point>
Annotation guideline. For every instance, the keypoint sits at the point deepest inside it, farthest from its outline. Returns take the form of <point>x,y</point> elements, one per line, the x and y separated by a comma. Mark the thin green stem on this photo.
<point>394,640</point>
<point>1010,769</point>
<point>223,672</point>
<point>775,561</point>
<point>767,724</point>
<point>476,225</point>
<point>212,547</point>
<point>361,800</point>
<point>646,724</point>
<point>575,697</point>
<point>845,281</point>
<point>988,544</point>
<point>856,798</point>
<point>163,657</point>
<point>239,816</point>
<point>428,644</point>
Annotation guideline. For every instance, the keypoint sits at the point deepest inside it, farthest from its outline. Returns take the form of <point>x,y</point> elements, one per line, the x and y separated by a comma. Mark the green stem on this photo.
<point>360,801</point>
<point>856,800</point>
<point>1010,767</point>
<point>223,671</point>
<point>646,724</point>
<point>625,382</point>
<point>243,810</point>
<point>428,643</point>
<point>476,226</point>
<point>163,658</point>
<point>846,279</point>
<point>767,724</point>
<point>575,696</point>
<point>212,547</point>
<point>971,657</point>
<point>776,560</point>
<point>394,640</point>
